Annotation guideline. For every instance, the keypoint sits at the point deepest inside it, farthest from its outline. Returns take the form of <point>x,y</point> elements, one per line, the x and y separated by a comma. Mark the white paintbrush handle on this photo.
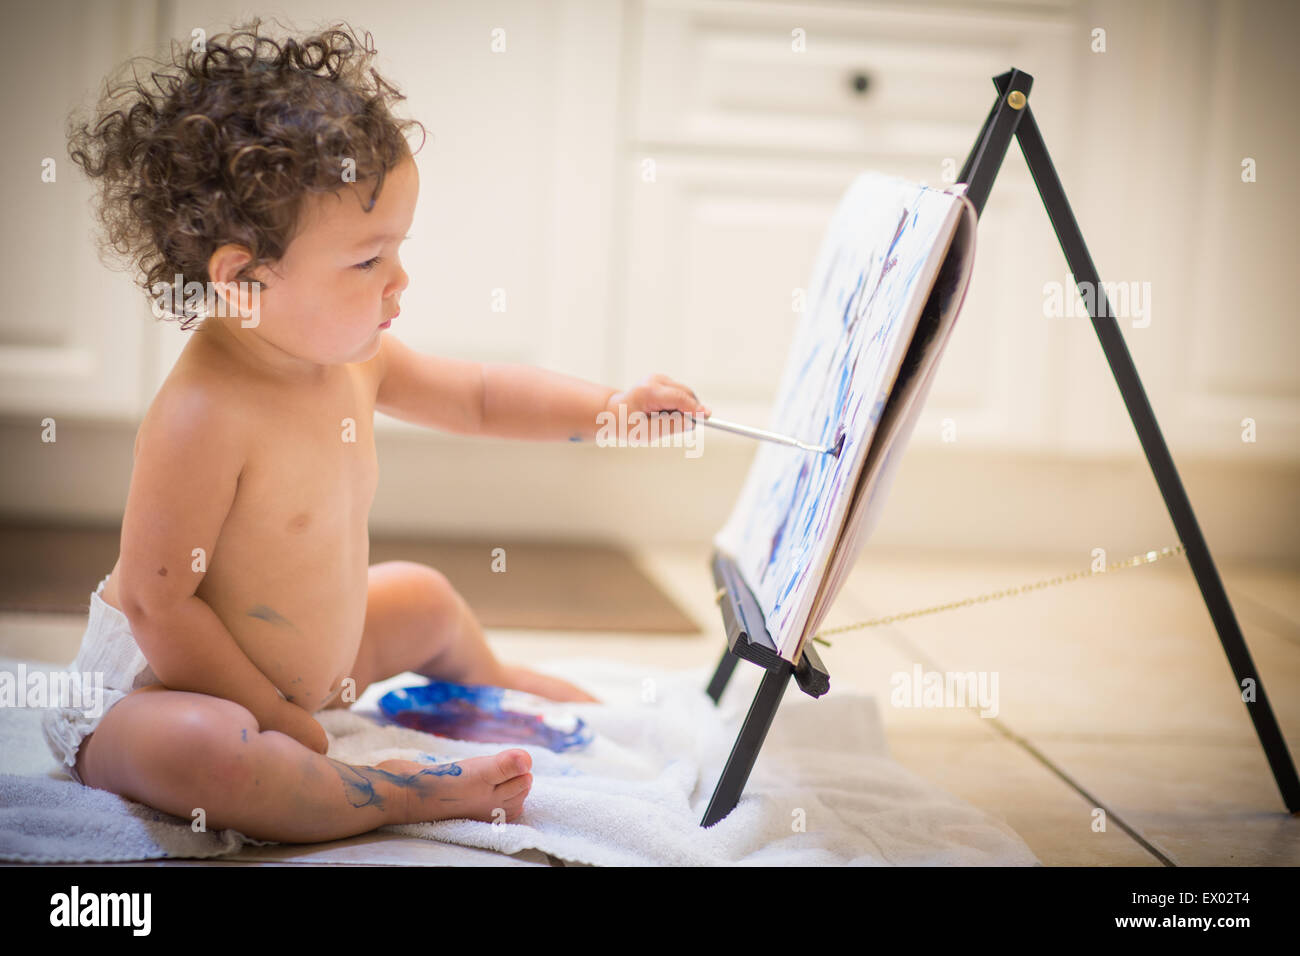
<point>759,433</point>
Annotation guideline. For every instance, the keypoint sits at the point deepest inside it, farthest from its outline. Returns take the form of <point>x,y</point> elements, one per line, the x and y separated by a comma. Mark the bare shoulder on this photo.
<point>190,451</point>
<point>200,396</point>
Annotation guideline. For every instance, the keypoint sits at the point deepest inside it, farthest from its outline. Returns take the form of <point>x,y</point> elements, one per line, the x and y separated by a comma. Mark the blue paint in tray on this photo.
<point>485,714</point>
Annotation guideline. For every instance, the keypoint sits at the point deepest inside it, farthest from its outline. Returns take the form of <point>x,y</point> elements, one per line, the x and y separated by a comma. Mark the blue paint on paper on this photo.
<point>841,367</point>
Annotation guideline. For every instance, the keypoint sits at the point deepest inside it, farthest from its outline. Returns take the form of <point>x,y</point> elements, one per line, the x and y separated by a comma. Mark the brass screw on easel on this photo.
<point>1148,557</point>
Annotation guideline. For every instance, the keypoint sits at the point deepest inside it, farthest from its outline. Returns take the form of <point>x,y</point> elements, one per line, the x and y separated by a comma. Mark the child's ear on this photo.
<point>224,264</point>
<point>242,297</point>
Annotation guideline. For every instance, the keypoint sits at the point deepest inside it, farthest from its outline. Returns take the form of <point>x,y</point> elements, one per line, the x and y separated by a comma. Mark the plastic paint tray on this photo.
<point>486,715</point>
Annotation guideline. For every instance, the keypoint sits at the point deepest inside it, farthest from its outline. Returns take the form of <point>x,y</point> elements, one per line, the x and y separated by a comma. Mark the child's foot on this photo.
<point>478,788</point>
<point>543,685</point>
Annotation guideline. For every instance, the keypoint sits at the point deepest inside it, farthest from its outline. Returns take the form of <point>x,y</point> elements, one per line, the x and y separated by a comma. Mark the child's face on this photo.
<point>340,278</point>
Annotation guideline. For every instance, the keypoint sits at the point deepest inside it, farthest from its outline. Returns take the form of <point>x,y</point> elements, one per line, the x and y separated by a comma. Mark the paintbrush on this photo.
<point>750,432</point>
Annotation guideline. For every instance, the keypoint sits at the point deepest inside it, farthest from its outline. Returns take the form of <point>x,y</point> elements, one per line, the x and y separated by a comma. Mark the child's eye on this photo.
<point>368,264</point>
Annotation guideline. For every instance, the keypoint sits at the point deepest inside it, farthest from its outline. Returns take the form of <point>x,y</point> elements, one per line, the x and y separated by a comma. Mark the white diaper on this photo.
<point>107,648</point>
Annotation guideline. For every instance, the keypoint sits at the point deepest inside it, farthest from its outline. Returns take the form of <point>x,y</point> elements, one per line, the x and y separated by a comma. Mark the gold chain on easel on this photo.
<point>1148,557</point>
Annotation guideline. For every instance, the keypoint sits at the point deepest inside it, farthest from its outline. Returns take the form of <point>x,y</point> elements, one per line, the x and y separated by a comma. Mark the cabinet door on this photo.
<point>71,331</point>
<point>720,252</point>
<point>1179,103</point>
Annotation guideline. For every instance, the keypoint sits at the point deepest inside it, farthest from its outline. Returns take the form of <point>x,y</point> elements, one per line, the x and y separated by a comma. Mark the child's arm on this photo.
<point>187,464</point>
<point>510,400</point>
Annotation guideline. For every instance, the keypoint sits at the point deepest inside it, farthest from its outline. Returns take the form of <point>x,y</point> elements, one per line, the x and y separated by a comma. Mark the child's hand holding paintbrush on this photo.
<point>659,394</point>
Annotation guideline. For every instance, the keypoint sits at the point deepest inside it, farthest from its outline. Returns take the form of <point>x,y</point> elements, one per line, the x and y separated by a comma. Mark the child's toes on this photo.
<point>509,765</point>
<point>514,789</point>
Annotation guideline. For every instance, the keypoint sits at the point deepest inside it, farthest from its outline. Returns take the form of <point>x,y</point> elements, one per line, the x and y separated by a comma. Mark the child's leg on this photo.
<point>416,621</point>
<point>178,751</point>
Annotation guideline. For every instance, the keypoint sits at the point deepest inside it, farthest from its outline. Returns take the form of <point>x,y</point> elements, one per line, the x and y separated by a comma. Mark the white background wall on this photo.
<point>533,181</point>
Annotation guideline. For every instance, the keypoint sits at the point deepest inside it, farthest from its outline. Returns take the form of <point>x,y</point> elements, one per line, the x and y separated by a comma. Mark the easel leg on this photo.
<point>1161,462</point>
<point>745,751</point>
<point>722,675</point>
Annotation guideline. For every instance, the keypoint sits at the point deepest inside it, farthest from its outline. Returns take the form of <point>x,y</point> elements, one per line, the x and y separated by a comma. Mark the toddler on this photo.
<point>273,174</point>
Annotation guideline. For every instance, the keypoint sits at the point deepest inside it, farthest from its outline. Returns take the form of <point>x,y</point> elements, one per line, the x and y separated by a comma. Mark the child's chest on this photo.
<point>311,470</point>
<point>289,576</point>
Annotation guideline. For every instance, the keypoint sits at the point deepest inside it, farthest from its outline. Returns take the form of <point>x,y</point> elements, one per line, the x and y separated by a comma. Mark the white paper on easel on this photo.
<point>911,389</point>
<point>801,517</point>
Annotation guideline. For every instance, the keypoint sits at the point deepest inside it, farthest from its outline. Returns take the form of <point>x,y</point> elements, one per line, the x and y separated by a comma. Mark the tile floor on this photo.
<point>1115,703</point>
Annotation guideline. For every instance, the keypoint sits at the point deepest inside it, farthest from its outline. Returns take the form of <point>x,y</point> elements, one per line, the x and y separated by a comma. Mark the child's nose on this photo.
<point>399,283</point>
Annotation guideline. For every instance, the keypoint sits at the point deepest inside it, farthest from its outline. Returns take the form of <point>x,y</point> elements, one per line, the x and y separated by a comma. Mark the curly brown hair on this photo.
<point>221,144</point>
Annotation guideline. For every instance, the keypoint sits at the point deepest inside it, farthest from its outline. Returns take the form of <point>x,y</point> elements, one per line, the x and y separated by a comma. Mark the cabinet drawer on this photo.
<point>870,80</point>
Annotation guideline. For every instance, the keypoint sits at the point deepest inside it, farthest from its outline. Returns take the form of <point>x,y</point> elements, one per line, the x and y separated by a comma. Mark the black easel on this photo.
<point>747,635</point>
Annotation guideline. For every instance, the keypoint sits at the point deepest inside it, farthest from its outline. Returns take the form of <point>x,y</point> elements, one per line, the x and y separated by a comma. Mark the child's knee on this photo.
<point>209,740</point>
<point>437,592</point>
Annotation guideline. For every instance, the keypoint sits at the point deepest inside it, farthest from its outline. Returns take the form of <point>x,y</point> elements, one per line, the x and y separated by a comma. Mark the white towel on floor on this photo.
<point>46,817</point>
<point>635,796</point>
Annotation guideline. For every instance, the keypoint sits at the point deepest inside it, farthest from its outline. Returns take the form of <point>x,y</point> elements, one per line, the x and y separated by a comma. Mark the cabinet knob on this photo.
<point>860,82</point>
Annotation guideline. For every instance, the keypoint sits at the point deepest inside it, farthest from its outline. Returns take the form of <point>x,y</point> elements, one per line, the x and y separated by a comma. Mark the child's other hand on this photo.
<point>293,721</point>
<point>659,393</point>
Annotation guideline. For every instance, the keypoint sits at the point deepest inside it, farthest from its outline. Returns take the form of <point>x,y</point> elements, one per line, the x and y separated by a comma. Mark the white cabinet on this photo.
<point>71,332</point>
<point>753,118</point>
